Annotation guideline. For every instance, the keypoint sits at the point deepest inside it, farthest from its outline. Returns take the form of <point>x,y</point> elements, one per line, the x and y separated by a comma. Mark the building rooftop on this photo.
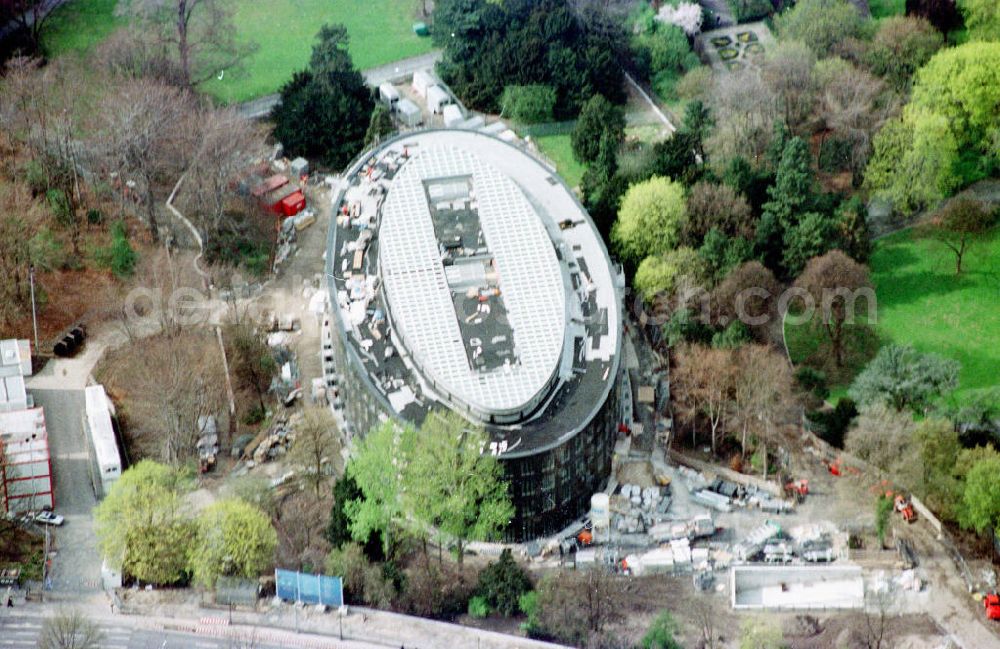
<point>467,274</point>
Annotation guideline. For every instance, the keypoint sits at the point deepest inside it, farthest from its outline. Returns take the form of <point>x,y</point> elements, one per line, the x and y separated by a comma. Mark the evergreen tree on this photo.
<point>324,111</point>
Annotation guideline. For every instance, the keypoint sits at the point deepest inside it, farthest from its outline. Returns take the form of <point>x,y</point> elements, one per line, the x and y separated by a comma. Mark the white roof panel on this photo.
<point>420,300</point>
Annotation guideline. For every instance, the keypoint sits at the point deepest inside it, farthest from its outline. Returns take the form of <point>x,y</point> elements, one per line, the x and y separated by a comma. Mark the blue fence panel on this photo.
<point>310,589</point>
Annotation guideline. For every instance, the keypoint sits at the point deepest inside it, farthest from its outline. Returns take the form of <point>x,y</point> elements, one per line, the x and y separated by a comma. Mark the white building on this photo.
<point>15,364</point>
<point>105,461</point>
<point>437,98</point>
<point>25,464</point>
<point>422,80</point>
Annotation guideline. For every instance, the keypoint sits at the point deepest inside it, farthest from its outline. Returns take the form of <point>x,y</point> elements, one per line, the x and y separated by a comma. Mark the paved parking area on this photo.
<point>76,567</point>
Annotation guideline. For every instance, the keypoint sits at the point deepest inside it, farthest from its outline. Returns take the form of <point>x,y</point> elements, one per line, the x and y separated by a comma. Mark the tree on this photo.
<point>884,437</point>
<point>943,14</point>
<point>201,31</point>
<point>452,485</point>
<point>763,399</point>
<point>982,18</point>
<point>963,86</point>
<point>350,564</point>
<point>904,378</point>
<point>226,142</point>
<point>662,633</point>
<point>835,282</point>
<point>913,161</point>
<point>711,205</point>
<point>650,219</point>
<point>812,236</point>
<point>748,294</point>
<point>788,71</point>
<point>853,106</point>
<point>141,525</point>
<point>250,359</point>
<point>981,499</point>
<point>377,468</point>
<point>959,225</point>
<point>379,126</point>
<point>660,275</point>
<point>235,539</point>
<point>760,633</point>
<point>883,510</point>
<point>338,528</point>
<point>20,218</point>
<point>573,607</point>
<point>900,47</point>
<point>744,108</point>
<point>528,104</point>
<point>491,45</point>
<point>939,447</point>
<point>820,24</point>
<point>140,136</point>
<point>30,17</point>
<point>705,378</point>
<point>317,447</point>
<point>502,583</point>
<point>325,110</point>
<point>598,119</point>
<point>300,526</point>
<point>70,630</point>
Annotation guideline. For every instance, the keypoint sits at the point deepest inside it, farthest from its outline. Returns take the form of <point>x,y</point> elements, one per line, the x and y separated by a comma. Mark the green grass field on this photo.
<point>923,303</point>
<point>558,148</point>
<point>886,8</point>
<point>285,30</point>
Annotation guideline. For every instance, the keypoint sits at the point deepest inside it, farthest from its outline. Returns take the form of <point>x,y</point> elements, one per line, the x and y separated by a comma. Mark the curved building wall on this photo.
<point>550,484</point>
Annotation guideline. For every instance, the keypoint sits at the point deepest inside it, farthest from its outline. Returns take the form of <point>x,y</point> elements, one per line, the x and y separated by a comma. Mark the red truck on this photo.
<point>992,605</point>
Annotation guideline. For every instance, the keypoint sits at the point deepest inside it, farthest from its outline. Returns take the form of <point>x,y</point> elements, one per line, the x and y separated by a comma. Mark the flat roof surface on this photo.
<point>531,294</point>
<point>101,431</point>
<point>438,224</point>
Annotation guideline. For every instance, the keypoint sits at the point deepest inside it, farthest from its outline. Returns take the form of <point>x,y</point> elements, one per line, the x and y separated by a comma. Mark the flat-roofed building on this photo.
<point>465,275</point>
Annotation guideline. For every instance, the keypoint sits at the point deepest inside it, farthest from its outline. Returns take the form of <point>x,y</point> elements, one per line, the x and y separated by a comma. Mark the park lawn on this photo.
<point>922,302</point>
<point>557,147</point>
<point>886,8</point>
<point>79,25</point>
<point>284,30</point>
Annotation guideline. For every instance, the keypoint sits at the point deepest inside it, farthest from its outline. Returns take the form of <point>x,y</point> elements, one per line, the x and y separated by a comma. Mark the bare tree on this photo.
<point>226,145</point>
<point>317,447</point>
<point>879,609</point>
<point>200,31</point>
<point>70,630</point>
<point>300,521</point>
<point>744,108</point>
<point>20,217</point>
<point>707,378</point>
<point>763,397</point>
<point>960,224</point>
<point>29,16</point>
<point>853,106</point>
<point>706,616</point>
<point>788,72</point>
<point>140,137</point>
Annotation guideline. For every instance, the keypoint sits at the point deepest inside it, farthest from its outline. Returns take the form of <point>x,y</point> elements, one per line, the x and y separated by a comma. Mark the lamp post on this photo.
<point>34,317</point>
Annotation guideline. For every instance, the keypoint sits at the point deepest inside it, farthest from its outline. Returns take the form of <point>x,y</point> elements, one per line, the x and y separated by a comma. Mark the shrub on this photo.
<point>813,381</point>
<point>749,10</point>
<point>119,257</point>
<point>350,564</point>
<point>478,607</point>
<point>831,425</point>
<point>529,104</point>
<point>433,590</point>
<point>528,604</point>
<point>502,584</point>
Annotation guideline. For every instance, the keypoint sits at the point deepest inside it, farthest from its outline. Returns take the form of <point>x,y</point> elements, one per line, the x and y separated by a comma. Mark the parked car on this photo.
<point>49,518</point>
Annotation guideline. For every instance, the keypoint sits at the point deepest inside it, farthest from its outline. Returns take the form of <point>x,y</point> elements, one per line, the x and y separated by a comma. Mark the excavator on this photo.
<point>992,605</point>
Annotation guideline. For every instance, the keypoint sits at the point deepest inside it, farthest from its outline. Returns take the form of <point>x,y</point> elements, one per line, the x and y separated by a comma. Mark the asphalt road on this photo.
<point>23,632</point>
<point>76,567</point>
